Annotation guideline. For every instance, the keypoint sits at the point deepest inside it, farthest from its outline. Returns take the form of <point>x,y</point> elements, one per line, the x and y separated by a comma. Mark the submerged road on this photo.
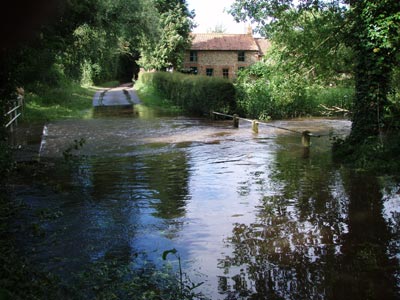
<point>118,96</point>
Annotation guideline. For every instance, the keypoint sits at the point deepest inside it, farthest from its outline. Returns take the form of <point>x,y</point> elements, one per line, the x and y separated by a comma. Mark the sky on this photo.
<point>210,13</point>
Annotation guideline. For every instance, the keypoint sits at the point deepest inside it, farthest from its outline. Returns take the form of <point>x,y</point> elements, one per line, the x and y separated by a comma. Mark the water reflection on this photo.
<point>365,270</point>
<point>109,206</point>
<point>258,216</point>
<point>319,234</point>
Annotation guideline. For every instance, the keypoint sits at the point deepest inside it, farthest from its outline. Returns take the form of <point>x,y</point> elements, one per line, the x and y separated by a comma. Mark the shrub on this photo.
<point>263,94</point>
<point>194,94</point>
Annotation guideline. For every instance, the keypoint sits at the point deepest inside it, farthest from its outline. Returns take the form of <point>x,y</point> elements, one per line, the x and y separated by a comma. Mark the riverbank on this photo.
<point>70,100</point>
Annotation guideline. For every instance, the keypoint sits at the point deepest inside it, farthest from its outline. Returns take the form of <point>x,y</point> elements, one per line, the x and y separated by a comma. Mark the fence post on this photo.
<point>305,139</point>
<point>254,126</point>
<point>235,121</point>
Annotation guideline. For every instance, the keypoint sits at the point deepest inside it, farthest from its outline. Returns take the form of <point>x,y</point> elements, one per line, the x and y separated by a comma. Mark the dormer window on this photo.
<point>241,56</point>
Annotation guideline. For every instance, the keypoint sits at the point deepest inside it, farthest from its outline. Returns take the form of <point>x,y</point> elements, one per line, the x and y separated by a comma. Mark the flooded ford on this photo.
<point>248,216</point>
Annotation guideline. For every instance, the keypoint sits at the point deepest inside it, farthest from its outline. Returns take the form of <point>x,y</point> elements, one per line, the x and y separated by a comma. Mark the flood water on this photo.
<point>253,216</point>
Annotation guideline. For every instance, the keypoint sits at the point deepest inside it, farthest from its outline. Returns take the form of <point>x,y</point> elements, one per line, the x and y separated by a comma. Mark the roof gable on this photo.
<point>263,45</point>
<point>223,41</point>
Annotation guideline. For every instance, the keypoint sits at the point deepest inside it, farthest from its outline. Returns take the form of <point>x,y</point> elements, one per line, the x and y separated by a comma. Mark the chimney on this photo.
<point>249,30</point>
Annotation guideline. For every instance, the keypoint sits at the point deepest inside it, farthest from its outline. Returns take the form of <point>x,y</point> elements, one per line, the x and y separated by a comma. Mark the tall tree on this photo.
<point>375,39</point>
<point>165,49</point>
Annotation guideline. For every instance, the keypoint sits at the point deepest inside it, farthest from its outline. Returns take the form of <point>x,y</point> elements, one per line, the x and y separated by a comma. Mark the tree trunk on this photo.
<point>372,71</point>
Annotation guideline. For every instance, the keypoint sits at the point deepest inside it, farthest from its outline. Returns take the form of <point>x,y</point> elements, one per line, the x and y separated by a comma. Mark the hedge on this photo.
<point>195,94</point>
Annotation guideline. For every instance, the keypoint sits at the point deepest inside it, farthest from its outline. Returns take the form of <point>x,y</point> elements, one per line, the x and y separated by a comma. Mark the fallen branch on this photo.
<point>334,110</point>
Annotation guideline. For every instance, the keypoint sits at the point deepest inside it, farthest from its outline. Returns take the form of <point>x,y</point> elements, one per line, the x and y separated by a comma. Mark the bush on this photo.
<point>370,155</point>
<point>336,96</point>
<point>194,94</point>
<point>264,94</point>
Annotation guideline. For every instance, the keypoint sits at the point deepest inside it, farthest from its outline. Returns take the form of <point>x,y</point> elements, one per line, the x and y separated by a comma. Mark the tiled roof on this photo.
<point>263,45</point>
<point>223,41</point>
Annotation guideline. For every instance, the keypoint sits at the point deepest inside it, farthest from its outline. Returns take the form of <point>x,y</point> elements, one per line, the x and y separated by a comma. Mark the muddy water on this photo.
<point>252,216</point>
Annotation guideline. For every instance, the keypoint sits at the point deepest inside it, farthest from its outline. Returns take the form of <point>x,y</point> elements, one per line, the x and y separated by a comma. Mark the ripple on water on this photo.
<point>237,206</point>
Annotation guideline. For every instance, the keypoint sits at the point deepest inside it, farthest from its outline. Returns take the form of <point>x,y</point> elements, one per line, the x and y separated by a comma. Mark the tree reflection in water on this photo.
<point>320,235</point>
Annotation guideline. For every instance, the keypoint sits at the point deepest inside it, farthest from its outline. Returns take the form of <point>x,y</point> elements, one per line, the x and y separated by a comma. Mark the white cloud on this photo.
<point>210,13</point>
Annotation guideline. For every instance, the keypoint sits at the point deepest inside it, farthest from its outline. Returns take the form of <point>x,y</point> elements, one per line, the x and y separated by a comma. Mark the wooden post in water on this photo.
<point>305,139</point>
<point>235,121</point>
<point>254,126</point>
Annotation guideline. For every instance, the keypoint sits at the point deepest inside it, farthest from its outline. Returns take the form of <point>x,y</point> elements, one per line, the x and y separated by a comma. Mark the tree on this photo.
<point>375,39</point>
<point>87,40</point>
<point>165,49</point>
<point>219,28</point>
<point>369,28</point>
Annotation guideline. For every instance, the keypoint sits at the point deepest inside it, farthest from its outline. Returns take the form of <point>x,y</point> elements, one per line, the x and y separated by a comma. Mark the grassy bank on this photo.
<point>70,100</point>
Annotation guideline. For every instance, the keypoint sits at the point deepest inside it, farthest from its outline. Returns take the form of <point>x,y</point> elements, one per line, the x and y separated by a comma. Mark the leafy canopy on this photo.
<point>171,36</point>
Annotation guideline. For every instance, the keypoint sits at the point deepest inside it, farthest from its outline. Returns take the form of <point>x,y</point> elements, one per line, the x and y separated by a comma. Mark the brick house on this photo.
<point>222,55</point>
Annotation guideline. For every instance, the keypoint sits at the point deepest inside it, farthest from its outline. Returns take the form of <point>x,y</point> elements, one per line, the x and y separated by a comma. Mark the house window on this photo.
<point>193,70</point>
<point>193,55</point>
<point>209,72</point>
<point>241,56</point>
<point>225,73</point>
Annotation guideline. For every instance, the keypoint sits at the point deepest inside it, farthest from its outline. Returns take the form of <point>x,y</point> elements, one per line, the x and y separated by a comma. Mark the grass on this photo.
<point>70,100</point>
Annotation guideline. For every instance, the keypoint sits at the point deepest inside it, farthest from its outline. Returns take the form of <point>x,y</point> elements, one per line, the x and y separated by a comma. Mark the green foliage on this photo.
<point>186,286</point>
<point>253,94</point>
<point>67,101</point>
<point>375,39</point>
<point>310,45</point>
<point>86,41</point>
<point>110,280</point>
<point>166,47</point>
<point>194,94</point>
<point>6,163</point>
<point>306,64</point>
<point>150,97</point>
<point>375,154</point>
<point>328,43</point>
<point>392,110</point>
<point>101,279</point>
<point>264,93</point>
<point>18,278</point>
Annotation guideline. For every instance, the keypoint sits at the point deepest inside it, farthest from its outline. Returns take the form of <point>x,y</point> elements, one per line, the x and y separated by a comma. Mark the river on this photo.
<point>252,216</point>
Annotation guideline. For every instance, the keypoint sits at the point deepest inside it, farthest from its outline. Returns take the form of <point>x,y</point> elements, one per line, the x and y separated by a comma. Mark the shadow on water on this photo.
<point>138,111</point>
<point>116,111</point>
<point>253,216</point>
<point>321,234</point>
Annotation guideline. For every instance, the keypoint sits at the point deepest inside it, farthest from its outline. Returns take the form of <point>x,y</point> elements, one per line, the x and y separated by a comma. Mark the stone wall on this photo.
<point>219,60</point>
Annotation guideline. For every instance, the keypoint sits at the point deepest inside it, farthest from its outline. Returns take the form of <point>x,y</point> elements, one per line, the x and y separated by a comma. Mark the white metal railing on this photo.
<point>15,111</point>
